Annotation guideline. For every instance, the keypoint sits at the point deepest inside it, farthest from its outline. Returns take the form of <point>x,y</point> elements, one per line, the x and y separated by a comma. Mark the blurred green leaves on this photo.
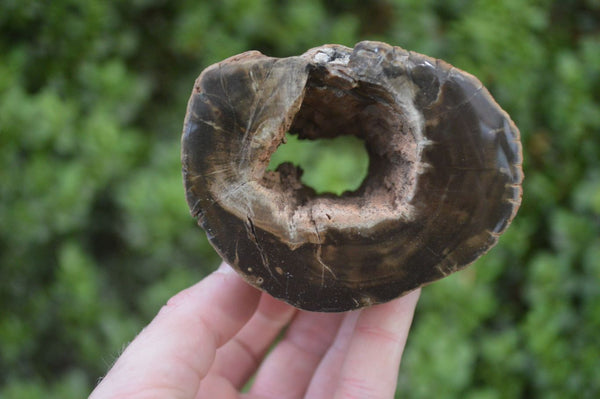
<point>344,158</point>
<point>95,234</point>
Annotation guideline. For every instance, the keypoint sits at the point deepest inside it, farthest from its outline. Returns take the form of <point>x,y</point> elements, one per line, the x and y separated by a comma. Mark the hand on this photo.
<point>209,339</point>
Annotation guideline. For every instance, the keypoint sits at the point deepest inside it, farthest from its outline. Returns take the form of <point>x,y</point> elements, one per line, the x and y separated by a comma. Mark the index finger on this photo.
<point>175,351</point>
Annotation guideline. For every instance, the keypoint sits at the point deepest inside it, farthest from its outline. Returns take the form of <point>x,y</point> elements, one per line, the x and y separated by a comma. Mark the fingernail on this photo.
<point>225,269</point>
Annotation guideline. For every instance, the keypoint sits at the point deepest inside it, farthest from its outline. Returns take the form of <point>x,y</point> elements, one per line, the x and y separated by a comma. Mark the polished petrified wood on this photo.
<point>444,177</point>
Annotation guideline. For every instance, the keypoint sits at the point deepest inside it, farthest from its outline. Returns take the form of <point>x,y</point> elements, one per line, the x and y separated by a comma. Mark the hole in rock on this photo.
<point>330,165</point>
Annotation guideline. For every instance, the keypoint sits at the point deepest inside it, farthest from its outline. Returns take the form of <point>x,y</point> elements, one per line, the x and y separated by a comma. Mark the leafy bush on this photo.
<point>95,234</point>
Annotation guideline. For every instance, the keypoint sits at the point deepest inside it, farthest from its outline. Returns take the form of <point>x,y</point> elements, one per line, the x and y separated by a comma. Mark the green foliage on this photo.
<point>344,158</point>
<point>95,234</point>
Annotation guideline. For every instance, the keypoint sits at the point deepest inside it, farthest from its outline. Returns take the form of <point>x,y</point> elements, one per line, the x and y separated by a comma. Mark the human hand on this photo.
<point>209,339</point>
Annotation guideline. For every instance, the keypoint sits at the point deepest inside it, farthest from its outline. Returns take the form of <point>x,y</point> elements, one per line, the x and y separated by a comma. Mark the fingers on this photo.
<point>175,351</point>
<point>370,368</point>
<point>326,376</point>
<point>217,387</point>
<point>239,358</point>
<point>288,369</point>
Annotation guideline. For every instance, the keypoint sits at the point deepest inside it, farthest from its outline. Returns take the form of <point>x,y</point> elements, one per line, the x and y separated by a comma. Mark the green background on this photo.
<point>95,234</point>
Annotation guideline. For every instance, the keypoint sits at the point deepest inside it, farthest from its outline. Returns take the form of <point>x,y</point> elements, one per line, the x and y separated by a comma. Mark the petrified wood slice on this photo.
<point>444,177</point>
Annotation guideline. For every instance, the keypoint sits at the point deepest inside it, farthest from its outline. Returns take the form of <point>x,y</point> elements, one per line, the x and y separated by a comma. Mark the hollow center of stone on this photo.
<point>336,105</point>
<point>333,107</point>
<point>332,165</point>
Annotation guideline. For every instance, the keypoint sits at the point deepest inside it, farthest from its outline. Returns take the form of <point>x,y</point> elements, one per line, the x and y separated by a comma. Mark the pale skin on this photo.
<point>209,339</point>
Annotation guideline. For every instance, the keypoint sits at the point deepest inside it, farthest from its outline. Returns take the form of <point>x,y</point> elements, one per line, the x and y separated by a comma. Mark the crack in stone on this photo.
<point>263,257</point>
<point>318,252</point>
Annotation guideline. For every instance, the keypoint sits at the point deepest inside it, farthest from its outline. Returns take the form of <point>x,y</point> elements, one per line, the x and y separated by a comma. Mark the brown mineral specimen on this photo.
<point>444,177</point>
